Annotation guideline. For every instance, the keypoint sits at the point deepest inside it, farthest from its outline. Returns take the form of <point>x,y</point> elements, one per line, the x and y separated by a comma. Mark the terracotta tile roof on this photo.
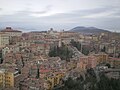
<point>45,70</point>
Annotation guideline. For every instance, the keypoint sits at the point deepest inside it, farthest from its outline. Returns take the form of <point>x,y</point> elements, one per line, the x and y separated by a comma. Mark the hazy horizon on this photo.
<point>60,14</point>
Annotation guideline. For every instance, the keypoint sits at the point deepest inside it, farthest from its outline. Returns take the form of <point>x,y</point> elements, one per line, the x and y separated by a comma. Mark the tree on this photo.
<point>104,49</point>
<point>63,52</point>
<point>1,58</point>
<point>104,83</point>
<point>108,65</point>
<point>85,50</point>
<point>38,73</point>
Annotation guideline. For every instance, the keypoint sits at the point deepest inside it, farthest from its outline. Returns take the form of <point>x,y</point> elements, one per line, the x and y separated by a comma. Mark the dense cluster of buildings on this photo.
<point>26,65</point>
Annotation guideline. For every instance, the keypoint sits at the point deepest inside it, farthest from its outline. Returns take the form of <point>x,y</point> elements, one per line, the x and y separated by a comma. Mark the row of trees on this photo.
<point>107,84</point>
<point>90,83</point>
<point>63,52</point>
<point>85,50</point>
<point>1,59</point>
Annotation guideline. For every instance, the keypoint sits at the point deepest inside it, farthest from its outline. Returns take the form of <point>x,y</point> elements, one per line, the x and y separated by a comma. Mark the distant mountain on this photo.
<point>88,30</point>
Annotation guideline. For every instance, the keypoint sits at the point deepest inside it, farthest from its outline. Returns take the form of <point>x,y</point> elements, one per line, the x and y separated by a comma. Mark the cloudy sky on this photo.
<point>60,14</point>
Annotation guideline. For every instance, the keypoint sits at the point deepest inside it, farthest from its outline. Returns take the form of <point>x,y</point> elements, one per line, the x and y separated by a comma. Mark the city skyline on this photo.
<point>59,44</point>
<point>60,14</point>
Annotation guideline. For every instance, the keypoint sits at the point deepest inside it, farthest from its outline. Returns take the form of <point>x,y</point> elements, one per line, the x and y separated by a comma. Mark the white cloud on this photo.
<point>100,15</point>
<point>53,12</point>
<point>62,6</point>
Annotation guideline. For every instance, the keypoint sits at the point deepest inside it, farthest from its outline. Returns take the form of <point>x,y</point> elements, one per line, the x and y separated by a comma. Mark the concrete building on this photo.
<point>87,62</point>
<point>4,39</point>
<point>101,58</point>
<point>12,32</point>
<point>114,62</point>
<point>55,78</point>
<point>112,73</point>
<point>8,78</point>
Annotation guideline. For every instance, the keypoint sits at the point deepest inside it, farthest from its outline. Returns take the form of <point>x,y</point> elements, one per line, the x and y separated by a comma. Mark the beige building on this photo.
<point>4,39</point>
<point>7,34</point>
<point>114,62</point>
<point>11,32</point>
<point>2,71</point>
<point>7,78</point>
<point>101,58</point>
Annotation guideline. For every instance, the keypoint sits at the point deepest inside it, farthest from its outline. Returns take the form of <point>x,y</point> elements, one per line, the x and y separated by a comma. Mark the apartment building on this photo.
<point>4,39</point>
